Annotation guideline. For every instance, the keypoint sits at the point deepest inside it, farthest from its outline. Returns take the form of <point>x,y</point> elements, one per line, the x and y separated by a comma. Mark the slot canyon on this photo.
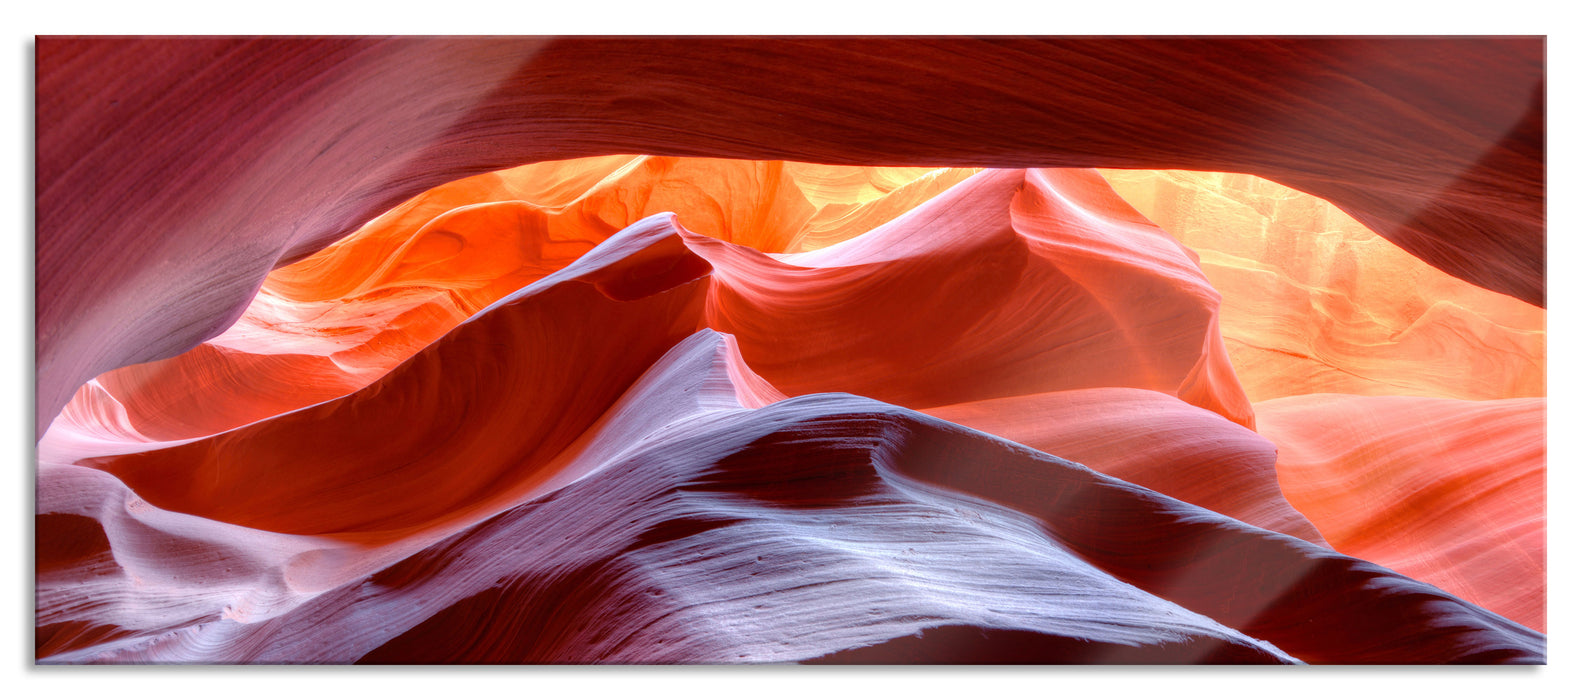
<point>790,350</point>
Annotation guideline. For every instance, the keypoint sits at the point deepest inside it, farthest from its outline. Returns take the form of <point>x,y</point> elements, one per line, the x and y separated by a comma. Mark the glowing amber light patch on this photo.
<point>1315,302</point>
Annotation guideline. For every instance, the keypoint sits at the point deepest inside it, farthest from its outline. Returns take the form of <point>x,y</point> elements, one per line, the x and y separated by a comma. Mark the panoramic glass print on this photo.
<point>748,350</point>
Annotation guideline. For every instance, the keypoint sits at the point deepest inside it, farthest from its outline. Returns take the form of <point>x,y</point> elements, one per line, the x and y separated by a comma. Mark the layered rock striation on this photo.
<point>980,405</point>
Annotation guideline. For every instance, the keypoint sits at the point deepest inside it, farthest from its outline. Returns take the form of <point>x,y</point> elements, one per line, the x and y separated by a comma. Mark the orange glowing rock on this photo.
<point>1054,266</point>
<point>429,431</point>
<point>339,319</point>
<point>1316,303</point>
<point>1043,308</point>
<point>1067,288</point>
<point>1445,491</point>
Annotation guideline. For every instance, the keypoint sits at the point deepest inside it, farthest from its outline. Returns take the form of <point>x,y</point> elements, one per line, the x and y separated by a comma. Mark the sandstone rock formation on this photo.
<point>1445,491</point>
<point>1314,302</point>
<point>574,406</point>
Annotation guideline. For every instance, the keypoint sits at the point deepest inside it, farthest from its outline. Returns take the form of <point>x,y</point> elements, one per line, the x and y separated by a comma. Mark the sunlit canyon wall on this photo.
<point>385,351</point>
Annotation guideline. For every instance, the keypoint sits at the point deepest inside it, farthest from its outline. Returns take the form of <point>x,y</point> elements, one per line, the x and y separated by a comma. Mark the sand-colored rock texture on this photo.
<point>401,351</point>
<point>1314,302</point>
